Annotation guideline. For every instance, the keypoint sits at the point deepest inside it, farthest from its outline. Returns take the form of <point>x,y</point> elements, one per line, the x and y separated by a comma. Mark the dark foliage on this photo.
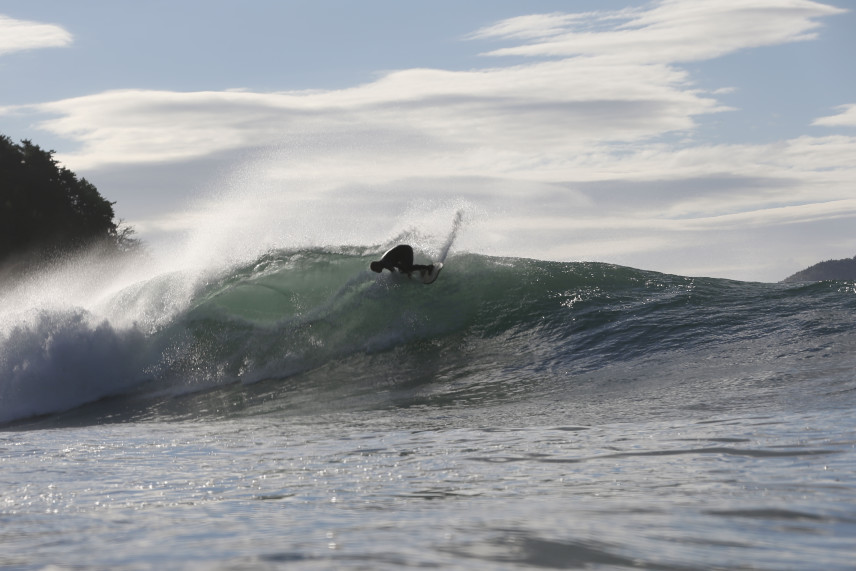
<point>829,270</point>
<point>46,211</point>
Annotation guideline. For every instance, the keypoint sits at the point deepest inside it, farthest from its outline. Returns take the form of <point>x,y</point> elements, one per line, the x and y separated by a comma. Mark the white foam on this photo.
<point>61,360</point>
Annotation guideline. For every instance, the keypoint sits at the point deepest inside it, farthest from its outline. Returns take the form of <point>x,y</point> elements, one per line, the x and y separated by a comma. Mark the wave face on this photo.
<point>298,329</point>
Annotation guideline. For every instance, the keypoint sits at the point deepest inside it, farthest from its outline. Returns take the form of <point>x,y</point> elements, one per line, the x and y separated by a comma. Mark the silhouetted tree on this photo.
<point>46,211</point>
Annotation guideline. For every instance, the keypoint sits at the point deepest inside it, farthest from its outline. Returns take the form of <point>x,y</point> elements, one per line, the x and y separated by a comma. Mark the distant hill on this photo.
<point>829,270</point>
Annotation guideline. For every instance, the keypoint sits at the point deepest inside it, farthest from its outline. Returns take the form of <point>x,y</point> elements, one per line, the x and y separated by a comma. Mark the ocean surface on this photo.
<point>295,410</point>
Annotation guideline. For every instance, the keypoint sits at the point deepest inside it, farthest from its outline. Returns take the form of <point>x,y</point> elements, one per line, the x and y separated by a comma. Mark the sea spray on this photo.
<point>90,326</point>
<point>62,359</point>
<point>456,225</point>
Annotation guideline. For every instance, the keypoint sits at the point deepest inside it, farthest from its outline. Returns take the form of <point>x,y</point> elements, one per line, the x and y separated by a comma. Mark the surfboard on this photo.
<point>429,276</point>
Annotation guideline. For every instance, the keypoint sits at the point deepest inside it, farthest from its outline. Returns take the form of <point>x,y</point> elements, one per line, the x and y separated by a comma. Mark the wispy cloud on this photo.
<point>501,120</point>
<point>846,118</point>
<point>671,31</point>
<point>538,120</point>
<point>20,35</point>
<point>544,26</point>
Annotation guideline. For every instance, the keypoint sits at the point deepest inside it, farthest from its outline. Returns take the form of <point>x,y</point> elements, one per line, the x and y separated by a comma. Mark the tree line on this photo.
<point>46,211</point>
<point>844,270</point>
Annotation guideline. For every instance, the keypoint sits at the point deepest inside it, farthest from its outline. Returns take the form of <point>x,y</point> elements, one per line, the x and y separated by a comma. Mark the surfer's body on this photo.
<point>400,260</point>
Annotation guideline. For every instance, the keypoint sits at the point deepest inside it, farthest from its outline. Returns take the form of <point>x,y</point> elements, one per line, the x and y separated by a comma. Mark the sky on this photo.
<point>695,138</point>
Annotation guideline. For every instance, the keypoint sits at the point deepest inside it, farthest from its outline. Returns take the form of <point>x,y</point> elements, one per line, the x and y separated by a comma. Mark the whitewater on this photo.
<point>289,408</point>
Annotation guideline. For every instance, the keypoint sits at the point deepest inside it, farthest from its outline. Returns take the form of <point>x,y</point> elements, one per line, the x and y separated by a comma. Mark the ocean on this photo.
<point>296,410</point>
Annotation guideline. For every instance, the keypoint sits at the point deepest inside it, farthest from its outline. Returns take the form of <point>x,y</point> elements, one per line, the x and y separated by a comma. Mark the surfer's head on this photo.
<point>377,267</point>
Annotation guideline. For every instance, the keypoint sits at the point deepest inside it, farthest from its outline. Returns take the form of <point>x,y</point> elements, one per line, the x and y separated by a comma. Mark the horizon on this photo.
<point>685,138</point>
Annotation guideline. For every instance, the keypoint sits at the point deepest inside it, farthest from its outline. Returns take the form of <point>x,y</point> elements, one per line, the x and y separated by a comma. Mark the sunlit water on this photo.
<point>451,489</point>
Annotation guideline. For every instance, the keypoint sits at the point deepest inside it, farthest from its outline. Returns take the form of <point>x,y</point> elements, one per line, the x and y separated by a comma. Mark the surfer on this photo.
<point>400,259</point>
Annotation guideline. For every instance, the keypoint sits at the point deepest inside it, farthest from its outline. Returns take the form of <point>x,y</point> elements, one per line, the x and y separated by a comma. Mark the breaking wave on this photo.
<point>317,324</point>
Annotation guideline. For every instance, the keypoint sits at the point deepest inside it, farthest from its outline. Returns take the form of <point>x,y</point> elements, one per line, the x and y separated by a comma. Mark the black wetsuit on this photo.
<point>400,259</point>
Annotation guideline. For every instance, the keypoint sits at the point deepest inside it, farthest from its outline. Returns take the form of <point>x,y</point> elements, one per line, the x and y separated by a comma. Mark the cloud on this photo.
<point>617,88</point>
<point>502,120</point>
<point>20,35</point>
<point>671,31</point>
<point>847,117</point>
<point>540,26</point>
